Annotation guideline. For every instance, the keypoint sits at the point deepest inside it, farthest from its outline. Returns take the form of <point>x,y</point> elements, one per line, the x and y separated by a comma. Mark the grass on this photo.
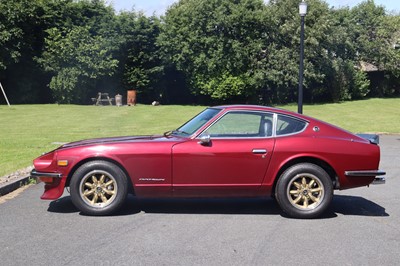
<point>29,130</point>
<point>367,116</point>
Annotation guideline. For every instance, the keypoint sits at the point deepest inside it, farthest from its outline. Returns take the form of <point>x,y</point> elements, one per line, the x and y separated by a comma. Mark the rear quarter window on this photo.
<point>287,125</point>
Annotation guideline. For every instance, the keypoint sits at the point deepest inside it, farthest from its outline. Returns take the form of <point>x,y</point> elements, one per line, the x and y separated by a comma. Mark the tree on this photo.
<point>77,59</point>
<point>281,61</point>
<point>216,44</point>
<point>376,34</point>
<point>214,50</point>
<point>79,48</point>
<point>21,40</point>
<point>141,60</point>
<point>14,17</point>
<point>392,56</point>
<point>343,80</point>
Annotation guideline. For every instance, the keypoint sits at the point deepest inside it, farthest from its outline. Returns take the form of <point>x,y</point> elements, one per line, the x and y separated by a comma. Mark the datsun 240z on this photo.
<point>225,151</point>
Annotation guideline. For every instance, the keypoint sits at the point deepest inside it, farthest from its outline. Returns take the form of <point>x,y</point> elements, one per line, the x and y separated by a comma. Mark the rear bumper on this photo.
<point>379,179</point>
<point>372,138</point>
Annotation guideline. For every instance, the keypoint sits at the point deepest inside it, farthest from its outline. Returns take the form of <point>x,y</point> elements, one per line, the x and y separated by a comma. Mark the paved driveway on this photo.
<point>362,227</point>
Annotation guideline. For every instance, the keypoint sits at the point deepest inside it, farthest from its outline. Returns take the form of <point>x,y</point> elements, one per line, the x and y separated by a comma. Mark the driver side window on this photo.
<point>242,125</point>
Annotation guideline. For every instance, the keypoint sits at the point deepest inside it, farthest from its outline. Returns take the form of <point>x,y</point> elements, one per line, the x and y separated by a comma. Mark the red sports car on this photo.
<point>225,151</point>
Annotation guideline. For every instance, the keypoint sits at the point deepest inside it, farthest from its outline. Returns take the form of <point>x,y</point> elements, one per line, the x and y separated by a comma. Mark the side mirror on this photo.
<point>205,139</point>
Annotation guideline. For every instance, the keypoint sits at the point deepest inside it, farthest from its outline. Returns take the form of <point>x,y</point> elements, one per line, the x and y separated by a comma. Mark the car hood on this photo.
<point>113,140</point>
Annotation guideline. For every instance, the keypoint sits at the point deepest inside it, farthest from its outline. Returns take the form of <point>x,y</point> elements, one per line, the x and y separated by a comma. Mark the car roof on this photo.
<point>263,108</point>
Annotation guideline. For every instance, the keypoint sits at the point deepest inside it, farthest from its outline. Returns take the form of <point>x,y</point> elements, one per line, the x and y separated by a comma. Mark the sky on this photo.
<point>160,6</point>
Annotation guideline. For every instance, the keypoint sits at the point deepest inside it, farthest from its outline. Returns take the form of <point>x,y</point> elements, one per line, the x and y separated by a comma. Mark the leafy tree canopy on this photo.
<point>206,51</point>
<point>216,43</point>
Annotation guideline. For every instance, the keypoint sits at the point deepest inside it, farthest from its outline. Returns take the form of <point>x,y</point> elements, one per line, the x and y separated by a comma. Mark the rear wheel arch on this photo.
<point>321,163</point>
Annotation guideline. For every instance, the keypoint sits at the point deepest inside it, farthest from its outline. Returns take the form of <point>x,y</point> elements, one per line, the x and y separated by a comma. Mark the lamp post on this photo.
<point>302,12</point>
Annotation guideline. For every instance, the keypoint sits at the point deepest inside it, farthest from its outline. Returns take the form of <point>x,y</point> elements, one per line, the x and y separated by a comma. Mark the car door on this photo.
<point>233,161</point>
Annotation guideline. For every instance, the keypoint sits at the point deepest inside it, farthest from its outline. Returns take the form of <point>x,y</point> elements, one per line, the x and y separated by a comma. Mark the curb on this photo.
<point>15,184</point>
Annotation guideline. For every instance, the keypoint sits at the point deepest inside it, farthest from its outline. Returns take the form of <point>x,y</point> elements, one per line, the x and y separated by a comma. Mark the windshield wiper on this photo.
<point>168,133</point>
<point>171,132</point>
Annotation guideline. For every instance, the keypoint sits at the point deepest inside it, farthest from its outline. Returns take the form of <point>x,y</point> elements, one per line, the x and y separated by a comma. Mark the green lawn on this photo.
<point>369,116</point>
<point>29,130</point>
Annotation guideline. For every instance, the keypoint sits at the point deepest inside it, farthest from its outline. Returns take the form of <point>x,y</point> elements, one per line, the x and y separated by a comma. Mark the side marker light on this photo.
<point>62,162</point>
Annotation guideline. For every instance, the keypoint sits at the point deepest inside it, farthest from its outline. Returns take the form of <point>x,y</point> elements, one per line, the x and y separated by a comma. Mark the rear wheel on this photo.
<point>304,191</point>
<point>98,188</point>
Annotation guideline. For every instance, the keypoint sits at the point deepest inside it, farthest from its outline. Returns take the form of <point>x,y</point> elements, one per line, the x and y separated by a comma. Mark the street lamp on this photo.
<point>302,12</point>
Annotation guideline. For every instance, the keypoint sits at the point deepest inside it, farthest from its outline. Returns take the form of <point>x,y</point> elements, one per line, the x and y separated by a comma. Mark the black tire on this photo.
<point>98,188</point>
<point>304,191</point>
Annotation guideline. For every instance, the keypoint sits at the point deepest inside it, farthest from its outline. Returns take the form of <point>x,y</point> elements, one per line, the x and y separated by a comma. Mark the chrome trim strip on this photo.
<point>34,173</point>
<point>365,173</point>
<point>230,138</point>
<point>275,124</point>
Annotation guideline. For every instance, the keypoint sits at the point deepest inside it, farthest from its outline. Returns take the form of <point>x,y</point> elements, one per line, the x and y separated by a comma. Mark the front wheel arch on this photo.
<point>98,188</point>
<point>73,170</point>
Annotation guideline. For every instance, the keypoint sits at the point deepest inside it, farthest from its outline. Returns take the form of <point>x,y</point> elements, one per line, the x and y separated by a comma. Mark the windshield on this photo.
<point>196,122</point>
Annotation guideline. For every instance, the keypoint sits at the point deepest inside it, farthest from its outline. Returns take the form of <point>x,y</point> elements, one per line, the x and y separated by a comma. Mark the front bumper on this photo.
<point>34,173</point>
<point>54,184</point>
<point>379,179</point>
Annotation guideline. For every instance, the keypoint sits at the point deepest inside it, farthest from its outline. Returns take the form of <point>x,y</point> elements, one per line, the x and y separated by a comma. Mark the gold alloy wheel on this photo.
<point>98,189</point>
<point>305,191</point>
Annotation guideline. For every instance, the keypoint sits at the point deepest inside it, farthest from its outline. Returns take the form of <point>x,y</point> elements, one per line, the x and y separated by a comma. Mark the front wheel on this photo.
<point>98,188</point>
<point>304,191</point>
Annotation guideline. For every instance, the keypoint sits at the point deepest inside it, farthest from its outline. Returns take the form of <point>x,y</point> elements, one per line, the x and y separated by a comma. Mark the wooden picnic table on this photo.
<point>102,97</point>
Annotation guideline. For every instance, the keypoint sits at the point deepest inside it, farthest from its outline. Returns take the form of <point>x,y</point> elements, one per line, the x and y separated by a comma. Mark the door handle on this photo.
<point>259,151</point>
